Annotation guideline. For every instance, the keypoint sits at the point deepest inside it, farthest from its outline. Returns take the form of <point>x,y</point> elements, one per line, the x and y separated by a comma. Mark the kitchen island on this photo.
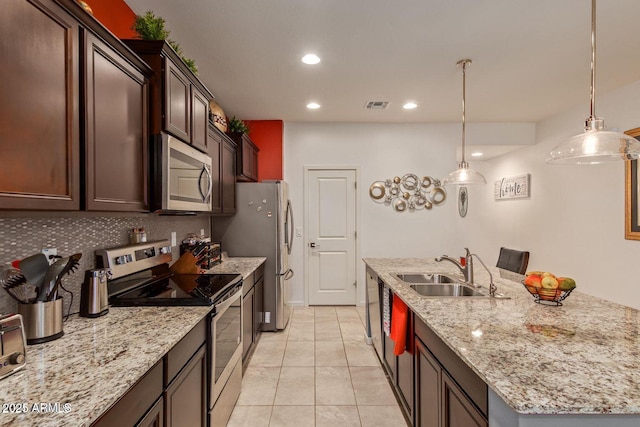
<point>74,380</point>
<point>577,364</point>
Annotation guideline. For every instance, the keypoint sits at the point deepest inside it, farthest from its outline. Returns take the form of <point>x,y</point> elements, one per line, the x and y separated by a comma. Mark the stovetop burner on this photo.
<point>178,289</point>
<point>141,277</point>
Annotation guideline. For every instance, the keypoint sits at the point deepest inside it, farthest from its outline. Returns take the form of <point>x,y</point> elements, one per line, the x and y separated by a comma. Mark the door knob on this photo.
<point>313,245</point>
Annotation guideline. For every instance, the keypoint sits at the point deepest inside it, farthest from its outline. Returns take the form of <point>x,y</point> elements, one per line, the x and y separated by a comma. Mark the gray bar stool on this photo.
<point>513,260</point>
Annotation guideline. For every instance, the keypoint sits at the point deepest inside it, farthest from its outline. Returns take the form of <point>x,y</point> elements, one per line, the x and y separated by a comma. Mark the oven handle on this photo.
<point>234,295</point>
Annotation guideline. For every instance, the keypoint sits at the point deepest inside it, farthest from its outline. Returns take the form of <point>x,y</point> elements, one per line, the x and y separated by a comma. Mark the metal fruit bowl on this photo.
<point>547,296</point>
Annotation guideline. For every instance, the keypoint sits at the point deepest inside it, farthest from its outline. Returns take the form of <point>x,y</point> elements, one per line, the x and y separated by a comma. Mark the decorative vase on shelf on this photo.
<point>85,6</point>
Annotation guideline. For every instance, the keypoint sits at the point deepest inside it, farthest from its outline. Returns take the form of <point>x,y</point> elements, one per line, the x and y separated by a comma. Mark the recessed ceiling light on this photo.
<point>477,154</point>
<point>311,59</point>
<point>410,106</point>
<point>313,105</point>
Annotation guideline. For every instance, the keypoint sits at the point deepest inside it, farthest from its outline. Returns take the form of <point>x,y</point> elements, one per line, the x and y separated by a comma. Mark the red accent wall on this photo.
<point>116,15</point>
<point>267,135</point>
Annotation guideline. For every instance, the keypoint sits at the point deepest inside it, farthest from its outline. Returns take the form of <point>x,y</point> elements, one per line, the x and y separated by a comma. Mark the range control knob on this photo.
<point>16,359</point>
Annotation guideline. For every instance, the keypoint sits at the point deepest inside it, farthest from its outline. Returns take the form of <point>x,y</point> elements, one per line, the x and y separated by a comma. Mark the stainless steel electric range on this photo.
<point>140,276</point>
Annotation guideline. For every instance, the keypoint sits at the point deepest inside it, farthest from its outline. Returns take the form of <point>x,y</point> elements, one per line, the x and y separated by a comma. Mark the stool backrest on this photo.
<point>513,260</point>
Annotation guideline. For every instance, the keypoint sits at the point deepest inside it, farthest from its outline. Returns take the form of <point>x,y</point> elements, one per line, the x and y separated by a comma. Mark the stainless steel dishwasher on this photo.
<point>374,321</point>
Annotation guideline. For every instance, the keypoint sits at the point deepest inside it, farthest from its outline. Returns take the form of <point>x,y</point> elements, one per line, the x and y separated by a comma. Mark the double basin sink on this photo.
<point>438,285</point>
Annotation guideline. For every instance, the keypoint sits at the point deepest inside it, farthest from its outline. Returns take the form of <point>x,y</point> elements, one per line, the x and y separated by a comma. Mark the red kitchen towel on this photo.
<point>399,315</point>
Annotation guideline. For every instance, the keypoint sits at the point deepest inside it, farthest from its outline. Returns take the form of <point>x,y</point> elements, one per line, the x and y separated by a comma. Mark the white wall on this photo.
<point>383,151</point>
<point>573,223</point>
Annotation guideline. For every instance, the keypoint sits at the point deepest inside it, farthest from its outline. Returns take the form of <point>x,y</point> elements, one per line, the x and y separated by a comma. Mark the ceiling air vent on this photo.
<point>376,105</point>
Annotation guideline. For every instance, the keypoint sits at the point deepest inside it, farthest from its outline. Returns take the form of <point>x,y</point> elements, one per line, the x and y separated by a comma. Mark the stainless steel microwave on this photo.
<point>181,177</point>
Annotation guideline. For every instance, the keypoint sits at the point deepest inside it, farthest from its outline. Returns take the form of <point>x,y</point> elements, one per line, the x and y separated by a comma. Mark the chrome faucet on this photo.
<point>492,286</point>
<point>466,270</point>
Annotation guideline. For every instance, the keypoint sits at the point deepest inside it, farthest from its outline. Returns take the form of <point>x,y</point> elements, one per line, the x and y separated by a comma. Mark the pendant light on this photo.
<point>595,144</point>
<point>464,175</point>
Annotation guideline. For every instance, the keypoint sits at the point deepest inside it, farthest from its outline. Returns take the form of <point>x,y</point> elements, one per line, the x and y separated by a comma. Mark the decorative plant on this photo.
<point>237,125</point>
<point>151,27</point>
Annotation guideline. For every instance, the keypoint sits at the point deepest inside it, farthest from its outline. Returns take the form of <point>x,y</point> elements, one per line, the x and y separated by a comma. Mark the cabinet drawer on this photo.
<point>180,354</point>
<point>135,403</point>
<point>468,380</point>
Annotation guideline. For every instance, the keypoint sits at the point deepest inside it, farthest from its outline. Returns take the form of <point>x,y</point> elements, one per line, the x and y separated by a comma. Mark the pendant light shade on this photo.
<point>464,176</point>
<point>596,144</point>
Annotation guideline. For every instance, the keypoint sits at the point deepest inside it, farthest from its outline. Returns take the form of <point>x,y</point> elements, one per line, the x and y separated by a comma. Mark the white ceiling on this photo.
<point>530,58</point>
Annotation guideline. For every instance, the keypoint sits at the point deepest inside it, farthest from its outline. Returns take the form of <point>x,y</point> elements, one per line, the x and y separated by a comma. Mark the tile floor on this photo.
<point>318,372</point>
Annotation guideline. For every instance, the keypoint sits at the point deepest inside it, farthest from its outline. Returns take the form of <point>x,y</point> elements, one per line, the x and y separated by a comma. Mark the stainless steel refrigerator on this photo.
<point>262,226</point>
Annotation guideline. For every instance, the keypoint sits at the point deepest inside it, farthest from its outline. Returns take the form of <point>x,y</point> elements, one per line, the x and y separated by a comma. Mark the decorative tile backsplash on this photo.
<point>83,232</point>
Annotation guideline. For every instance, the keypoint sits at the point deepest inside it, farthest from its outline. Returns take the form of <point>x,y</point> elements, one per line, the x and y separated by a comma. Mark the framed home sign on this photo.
<point>631,199</point>
<point>512,187</point>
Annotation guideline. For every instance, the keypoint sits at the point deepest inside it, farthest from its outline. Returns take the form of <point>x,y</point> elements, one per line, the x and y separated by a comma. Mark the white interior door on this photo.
<point>331,232</point>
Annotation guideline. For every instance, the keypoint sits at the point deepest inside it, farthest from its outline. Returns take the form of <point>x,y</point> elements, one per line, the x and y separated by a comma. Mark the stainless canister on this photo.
<point>42,321</point>
<point>94,295</point>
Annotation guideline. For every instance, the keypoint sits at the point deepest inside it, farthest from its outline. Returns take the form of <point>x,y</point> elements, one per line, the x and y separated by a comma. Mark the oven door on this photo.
<point>226,339</point>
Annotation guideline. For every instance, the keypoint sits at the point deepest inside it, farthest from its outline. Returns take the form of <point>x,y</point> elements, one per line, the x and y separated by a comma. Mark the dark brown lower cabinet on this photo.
<point>155,416</point>
<point>133,406</point>
<point>171,394</point>
<point>400,368</point>
<point>447,392</point>
<point>247,322</point>
<point>428,374</point>
<point>186,397</point>
<point>457,409</point>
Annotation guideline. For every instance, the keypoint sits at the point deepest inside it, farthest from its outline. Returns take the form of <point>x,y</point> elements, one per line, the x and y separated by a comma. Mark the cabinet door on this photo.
<point>457,409</point>
<point>404,364</point>
<point>186,403</point>
<point>428,376</point>
<point>199,120</point>
<point>254,164</point>
<point>116,131</point>
<point>39,112</point>
<point>247,322</point>
<point>247,159</point>
<point>258,308</point>
<point>177,101</point>
<point>215,151</point>
<point>228,178</point>
<point>154,417</point>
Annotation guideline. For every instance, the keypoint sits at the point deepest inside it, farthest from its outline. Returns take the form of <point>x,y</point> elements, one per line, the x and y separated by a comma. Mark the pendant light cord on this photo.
<point>464,98</point>
<point>593,60</point>
<point>464,63</point>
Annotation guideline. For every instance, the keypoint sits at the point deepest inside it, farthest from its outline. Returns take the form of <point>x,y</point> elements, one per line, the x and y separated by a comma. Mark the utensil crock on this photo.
<point>42,321</point>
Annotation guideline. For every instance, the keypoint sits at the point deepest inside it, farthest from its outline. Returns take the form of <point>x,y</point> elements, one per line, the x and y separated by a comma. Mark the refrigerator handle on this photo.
<point>288,274</point>
<point>289,228</point>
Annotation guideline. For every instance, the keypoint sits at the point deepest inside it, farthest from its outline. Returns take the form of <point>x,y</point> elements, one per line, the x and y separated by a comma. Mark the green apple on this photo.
<point>566,283</point>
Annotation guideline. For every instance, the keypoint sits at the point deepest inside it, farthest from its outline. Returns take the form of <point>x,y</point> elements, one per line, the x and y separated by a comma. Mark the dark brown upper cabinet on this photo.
<point>40,108</point>
<point>179,101</point>
<point>73,118</point>
<point>247,157</point>
<point>222,151</point>
<point>117,99</point>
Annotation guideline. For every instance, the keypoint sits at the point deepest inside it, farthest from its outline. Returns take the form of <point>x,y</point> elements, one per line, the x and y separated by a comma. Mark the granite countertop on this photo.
<point>96,361</point>
<point>239,265</point>
<point>580,358</point>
